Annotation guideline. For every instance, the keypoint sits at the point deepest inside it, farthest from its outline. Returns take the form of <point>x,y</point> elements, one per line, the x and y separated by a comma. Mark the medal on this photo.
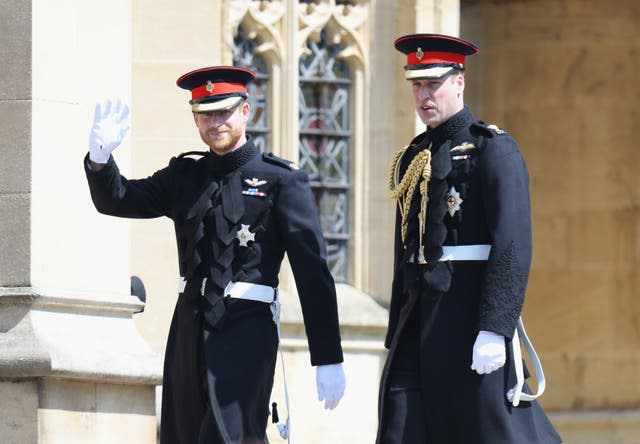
<point>453,201</point>
<point>244,235</point>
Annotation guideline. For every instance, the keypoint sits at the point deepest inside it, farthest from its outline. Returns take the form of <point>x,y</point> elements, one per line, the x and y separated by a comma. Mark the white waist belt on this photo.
<point>253,292</point>
<point>478,252</point>
<point>241,290</point>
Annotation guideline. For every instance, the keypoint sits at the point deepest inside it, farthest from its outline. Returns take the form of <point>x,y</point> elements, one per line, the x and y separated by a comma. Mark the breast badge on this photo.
<point>255,182</point>
<point>244,235</point>
<point>453,201</point>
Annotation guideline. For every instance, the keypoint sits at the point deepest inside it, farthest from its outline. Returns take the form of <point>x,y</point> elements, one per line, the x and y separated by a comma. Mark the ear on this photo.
<point>460,82</point>
<point>245,110</point>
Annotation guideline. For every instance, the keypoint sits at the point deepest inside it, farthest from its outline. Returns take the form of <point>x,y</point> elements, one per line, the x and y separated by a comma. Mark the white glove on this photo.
<point>331,384</point>
<point>489,352</point>
<point>110,125</point>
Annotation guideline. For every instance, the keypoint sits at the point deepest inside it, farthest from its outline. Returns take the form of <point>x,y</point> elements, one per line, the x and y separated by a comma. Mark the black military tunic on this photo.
<point>235,216</point>
<point>477,194</point>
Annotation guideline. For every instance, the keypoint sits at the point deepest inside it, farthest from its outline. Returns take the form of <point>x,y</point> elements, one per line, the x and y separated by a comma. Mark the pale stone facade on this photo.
<point>558,75</point>
<point>73,366</point>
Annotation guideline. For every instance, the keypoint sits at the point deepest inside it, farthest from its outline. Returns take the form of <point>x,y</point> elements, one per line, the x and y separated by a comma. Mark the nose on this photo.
<point>424,92</point>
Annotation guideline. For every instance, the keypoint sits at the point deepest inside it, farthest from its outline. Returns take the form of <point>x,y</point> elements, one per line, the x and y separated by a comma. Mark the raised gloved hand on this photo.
<point>110,125</point>
<point>489,352</point>
<point>331,384</point>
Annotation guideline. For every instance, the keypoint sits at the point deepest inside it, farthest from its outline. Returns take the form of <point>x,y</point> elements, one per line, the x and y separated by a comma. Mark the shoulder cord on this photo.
<point>402,190</point>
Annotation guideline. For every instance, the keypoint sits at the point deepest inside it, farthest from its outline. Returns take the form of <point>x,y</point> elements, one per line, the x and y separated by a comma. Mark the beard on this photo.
<point>224,142</point>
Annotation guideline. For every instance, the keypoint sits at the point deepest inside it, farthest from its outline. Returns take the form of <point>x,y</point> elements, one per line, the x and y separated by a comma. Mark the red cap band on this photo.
<point>216,89</point>
<point>432,57</point>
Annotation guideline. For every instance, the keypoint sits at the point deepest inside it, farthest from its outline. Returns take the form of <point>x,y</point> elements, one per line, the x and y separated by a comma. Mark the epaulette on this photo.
<point>192,153</point>
<point>496,129</point>
<point>284,163</point>
<point>489,130</point>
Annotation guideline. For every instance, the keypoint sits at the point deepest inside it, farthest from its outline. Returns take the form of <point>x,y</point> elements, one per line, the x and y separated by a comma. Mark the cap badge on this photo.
<point>419,54</point>
<point>453,201</point>
<point>255,182</point>
<point>244,235</point>
<point>210,86</point>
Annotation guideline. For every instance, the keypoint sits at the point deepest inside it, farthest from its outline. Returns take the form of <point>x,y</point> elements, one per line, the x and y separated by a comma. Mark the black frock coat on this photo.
<point>455,300</point>
<point>221,352</point>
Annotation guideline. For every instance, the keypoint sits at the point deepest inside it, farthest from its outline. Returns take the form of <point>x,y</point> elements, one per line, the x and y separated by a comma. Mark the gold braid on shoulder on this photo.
<point>402,190</point>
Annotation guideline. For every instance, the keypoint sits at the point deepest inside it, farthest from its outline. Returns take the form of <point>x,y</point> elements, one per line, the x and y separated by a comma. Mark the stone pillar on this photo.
<point>73,368</point>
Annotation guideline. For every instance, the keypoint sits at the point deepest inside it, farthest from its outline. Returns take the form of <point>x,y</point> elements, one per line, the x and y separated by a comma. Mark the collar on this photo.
<point>448,129</point>
<point>233,160</point>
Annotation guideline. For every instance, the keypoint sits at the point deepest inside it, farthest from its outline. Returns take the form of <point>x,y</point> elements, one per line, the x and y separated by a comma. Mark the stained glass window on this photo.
<point>325,137</point>
<point>244,56</point>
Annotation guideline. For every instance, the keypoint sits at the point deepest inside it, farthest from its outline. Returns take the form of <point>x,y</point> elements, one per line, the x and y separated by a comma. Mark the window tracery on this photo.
<point>324,39</point>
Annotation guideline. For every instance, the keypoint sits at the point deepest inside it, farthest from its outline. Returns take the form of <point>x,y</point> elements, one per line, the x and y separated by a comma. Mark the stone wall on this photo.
<point>560,76</point>
<point>73,368</point>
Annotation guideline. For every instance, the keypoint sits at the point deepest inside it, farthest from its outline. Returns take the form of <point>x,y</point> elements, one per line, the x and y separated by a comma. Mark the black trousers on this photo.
<point>404,421</point>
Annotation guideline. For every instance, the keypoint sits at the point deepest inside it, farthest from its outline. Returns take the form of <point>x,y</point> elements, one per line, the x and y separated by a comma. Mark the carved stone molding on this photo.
<point>344,25</point>
<point>263,21</point>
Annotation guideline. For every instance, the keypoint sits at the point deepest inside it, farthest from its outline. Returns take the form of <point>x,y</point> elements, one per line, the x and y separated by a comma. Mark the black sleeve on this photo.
<point>505,189</point>
<point>300,230</point>
<point>397,298</point>
<point>114,195</point>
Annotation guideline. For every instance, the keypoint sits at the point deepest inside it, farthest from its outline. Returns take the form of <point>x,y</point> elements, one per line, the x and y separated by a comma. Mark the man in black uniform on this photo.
<point>236,212</point>
<point>461,263</point>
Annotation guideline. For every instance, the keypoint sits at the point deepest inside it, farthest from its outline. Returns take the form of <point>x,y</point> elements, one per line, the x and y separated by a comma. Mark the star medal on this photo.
<point>453,201</point>
<point>244,235</point>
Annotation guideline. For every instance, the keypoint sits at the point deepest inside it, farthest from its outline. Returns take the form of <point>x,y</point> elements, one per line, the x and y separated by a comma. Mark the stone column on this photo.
<point>73,368</point>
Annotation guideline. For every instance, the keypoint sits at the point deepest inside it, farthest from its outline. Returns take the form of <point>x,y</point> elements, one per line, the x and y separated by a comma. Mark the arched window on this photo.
<point>325,140</point>
<point>322,47</point>
<point>244,56</point>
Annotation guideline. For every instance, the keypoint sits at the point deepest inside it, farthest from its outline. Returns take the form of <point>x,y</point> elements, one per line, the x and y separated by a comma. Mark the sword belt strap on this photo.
<point>515,395</point>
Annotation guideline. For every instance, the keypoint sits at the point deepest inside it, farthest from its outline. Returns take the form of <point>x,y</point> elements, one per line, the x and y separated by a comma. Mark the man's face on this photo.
<point>437,100</point>
<point>223,131</point>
